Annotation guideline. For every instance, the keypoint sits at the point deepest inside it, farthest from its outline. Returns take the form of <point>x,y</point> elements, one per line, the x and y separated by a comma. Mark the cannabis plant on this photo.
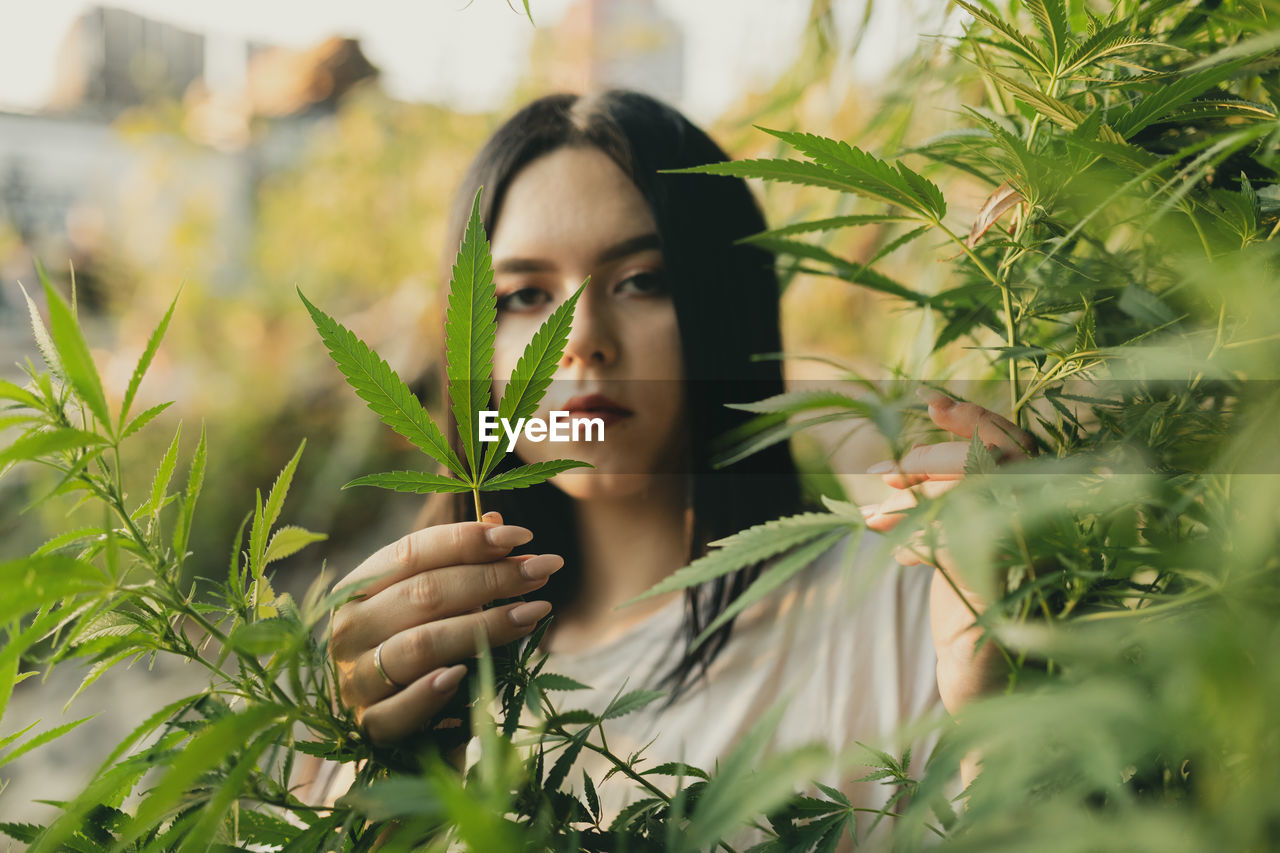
<point>1118,279</point>
<point>216,769</point>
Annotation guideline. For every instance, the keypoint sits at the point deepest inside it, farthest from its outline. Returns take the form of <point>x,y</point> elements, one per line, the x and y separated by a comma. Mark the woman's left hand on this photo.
<point>932,470</point>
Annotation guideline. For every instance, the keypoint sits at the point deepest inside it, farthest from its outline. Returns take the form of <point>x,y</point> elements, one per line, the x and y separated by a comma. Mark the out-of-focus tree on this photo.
<point>350,205</point>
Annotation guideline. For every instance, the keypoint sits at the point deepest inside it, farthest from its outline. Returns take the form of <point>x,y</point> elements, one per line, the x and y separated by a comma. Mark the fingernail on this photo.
<point>936,399</point>
<point>881,468</point>
<point>508,536</point>
<point>869,510</point>
<point>492,517</point>
<point>449,679</point>
<point>541,566</point>
<point>529,613</point>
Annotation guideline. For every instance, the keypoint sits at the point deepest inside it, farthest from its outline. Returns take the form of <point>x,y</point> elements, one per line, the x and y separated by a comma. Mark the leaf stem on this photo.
<point>1007,297</point>
<point>475,493</point>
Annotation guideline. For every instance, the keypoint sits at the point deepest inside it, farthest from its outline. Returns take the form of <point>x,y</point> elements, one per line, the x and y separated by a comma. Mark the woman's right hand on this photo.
<point>424,608</point>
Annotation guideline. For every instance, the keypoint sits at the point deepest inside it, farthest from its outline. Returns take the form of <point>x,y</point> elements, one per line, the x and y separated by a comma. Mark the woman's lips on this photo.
<point>597,406</point>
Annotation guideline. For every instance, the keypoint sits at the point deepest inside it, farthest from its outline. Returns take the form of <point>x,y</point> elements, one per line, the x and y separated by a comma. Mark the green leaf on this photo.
<point>1249,49</point>
<point>44,342</point>
<point>552,681</point>
<point>844,269</point>
<point>742,445</point>
<point>533,372</point>
<point>7,421</point>
<point>416,482</point>
<point>30,583</point>
<point>564,763</point>
<point>633,812</point>
<point>788,171</point>
<point>1228,108</point>
<point>143,419</point>
<point>676,768</point>
<point>471,324</point>
<point>1145,307</point>
<point>1051,18</point>
<point>772,578</point>
<point>745,786</point>
<point>73,353</point>
<point>149,725</point>
<point>160,482</point>
<point>868,175</point>
<point>835,794</point>
<point>110,786</point>
<point>35,445</point>
<point>1168,97</point>
<point>263,828</point>
<point>41,739</point>
<point>1105,43</point>
<point>832,223</point>
<point>385,393</point>
<point>394,798</point>
<point>8,739</point>
<point>1054,109</point>
<point>144,361</point>
<point>99,669</point>
<point>209,747</point>
<point>1018,44</point>
<point>289,540</point>
<point>593,799</point>
<point>575,717</point>
<point>9,391</point>
<point>531,474</point>
<point>15,646</point>
<point>263,523</point>
<point>748,547</point>
<point>263,637</point>
<point>630,702</point>
<point>195,481</point>
<point>979,459</point>
<point>791,402</point>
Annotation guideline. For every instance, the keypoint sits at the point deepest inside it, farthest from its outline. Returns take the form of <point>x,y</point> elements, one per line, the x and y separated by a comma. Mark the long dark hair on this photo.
<point>726,302</point>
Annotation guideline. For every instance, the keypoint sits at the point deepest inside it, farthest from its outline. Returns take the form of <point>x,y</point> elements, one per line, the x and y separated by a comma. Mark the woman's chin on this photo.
<point>594,484</point>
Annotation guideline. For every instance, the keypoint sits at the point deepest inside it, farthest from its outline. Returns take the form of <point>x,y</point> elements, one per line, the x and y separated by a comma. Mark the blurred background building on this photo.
<point>248,107</point>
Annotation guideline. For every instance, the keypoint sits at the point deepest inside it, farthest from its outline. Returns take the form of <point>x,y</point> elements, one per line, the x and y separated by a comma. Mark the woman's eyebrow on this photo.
<point>617,251</point>
<point>631,246</point>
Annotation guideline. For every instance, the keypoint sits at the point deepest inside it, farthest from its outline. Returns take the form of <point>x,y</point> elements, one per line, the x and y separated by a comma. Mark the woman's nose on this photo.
<point>592,340</point>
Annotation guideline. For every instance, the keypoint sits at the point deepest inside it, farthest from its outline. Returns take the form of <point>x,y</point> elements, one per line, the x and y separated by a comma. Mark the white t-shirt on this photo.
<point>848,637</point>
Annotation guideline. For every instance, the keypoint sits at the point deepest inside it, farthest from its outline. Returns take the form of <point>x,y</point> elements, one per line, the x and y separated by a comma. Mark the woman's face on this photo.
<point>568,215</point>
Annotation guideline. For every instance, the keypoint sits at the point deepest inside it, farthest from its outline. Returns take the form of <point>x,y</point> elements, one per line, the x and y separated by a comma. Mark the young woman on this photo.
<point>661,340</point>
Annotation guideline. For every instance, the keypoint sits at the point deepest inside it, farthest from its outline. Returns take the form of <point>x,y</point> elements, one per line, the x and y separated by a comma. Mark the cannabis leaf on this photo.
<point>470,329</point>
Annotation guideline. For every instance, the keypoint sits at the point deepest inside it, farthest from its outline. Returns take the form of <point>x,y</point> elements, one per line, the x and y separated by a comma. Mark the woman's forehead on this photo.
<point>571,202</point>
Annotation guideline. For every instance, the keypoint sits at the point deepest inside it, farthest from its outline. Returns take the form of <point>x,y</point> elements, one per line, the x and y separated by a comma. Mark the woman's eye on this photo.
<point>524,299</point>
<point>645,283</point>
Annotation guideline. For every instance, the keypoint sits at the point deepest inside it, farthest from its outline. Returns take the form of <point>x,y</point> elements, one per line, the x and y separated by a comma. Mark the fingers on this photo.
<point>412,653</point>
<point>884,516</point>
<point>943,461</point>
<point>466,542</point>
<point>437,594</point>
<point>963,419</point>
<point>917,550</point>
<point>407,711</point>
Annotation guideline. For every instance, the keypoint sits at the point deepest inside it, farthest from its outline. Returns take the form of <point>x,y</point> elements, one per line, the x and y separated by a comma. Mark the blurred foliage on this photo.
<point>113,593</point>
<point>1115,281</point>
<point>364,194</point>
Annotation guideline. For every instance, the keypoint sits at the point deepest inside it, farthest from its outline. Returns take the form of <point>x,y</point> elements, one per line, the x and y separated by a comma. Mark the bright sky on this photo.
<point>446,50</point>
